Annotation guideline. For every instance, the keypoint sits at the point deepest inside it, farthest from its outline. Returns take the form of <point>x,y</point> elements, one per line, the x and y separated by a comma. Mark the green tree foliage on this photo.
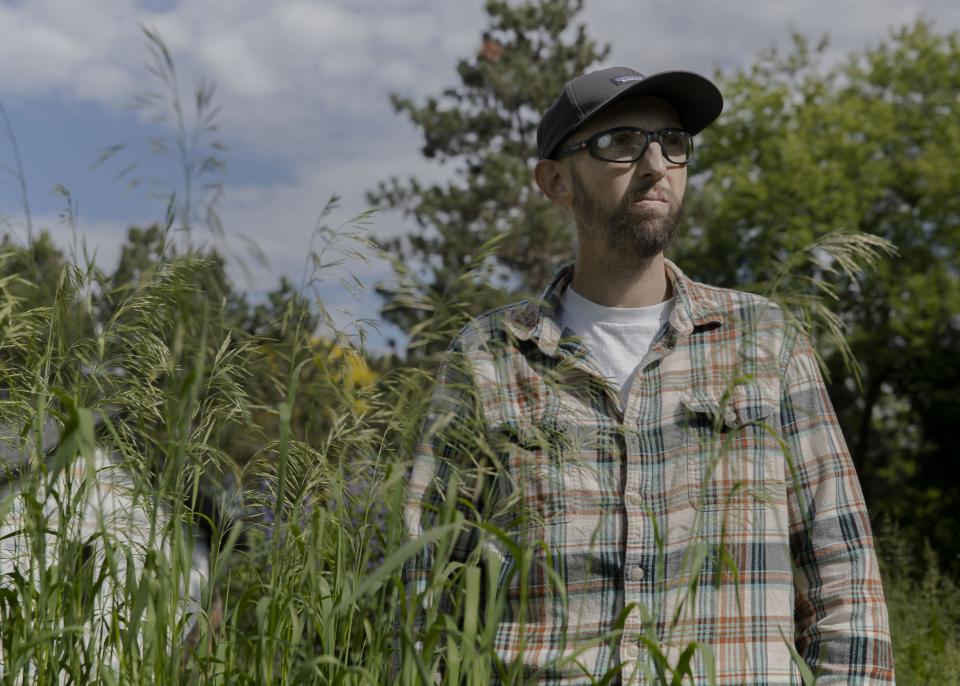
<point>38,266</point>
<point>147,250</point>
<point>486,130</point>
<point>868,145</point>
<point>30,278</point>
<point>144,249</point>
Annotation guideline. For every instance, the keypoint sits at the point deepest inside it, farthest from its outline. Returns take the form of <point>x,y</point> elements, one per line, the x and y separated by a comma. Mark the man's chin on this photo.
<point>641,240</point>
<point>638,254</point>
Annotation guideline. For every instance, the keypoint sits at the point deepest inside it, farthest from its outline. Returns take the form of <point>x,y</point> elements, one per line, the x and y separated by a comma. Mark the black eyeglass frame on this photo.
<point>650,136</point>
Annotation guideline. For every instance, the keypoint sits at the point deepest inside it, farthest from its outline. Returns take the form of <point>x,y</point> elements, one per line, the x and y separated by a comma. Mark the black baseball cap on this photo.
<point>695,98</point>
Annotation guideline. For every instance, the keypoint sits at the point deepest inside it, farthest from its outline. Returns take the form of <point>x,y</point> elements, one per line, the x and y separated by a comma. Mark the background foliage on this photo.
<point>866,145</point>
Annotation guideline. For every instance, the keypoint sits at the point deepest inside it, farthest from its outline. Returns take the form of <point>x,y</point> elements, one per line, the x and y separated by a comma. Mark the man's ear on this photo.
<point>553,179</point>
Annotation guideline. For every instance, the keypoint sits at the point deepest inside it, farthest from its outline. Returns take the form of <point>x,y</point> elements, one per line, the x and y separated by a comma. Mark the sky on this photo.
<point>303,89</point>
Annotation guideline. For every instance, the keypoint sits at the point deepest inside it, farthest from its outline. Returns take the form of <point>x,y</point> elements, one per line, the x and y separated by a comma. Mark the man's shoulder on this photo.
<point>734,307</point>
<point>496,326</point>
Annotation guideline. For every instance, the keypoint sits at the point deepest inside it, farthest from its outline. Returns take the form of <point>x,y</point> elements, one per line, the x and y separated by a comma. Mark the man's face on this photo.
<point>631,210</point>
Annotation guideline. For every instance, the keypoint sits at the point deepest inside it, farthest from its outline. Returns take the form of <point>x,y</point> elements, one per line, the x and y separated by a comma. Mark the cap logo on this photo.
<point>630,78</point>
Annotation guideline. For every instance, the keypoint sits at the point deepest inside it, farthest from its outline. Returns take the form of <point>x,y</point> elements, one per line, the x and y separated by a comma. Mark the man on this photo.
<point>664,451</point>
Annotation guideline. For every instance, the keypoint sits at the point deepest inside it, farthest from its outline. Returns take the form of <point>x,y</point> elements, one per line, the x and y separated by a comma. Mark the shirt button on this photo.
<point>635,499</point>
<point>635,573</point>
<point>632,651</point>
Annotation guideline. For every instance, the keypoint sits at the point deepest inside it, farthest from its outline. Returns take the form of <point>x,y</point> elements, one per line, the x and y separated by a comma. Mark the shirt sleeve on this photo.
<point>444,493</point>
<point>841,627</point>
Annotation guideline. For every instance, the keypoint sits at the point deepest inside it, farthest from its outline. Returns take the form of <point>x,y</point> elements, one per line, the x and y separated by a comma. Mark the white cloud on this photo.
<point>703,36</point>
<point>280,66</point>
<point>60,46</point>
<point>290,70</point>
<point>290,64</point>
<point>282,217</point>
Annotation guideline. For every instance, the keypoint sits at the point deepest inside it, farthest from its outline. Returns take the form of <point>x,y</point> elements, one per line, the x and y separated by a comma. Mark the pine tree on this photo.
<point>485,129</point>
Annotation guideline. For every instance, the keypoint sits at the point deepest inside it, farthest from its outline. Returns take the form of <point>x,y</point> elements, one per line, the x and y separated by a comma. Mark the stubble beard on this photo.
<point>633,235</point>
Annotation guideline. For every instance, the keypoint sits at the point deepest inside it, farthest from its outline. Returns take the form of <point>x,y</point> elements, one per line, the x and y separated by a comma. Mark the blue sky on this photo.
<point>304,89</point>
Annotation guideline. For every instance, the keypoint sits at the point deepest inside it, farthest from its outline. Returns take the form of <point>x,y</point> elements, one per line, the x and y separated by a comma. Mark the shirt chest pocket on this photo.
<point>734,457</point>
<point>544,470</point>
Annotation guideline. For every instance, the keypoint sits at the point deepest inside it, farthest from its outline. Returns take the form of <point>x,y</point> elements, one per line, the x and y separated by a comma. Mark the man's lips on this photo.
<point>646,194</point>
<point>649,198</point>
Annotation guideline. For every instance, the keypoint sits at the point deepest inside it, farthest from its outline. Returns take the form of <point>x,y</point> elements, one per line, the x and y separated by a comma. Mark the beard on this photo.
<point>638,235</point>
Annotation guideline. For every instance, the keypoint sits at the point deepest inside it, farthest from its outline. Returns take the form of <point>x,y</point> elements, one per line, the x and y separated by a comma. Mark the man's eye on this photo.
<point>624,139</point>
<point>674,139</point>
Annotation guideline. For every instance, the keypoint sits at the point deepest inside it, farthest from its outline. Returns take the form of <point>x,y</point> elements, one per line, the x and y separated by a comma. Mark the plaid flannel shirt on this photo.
<point>718,506</point>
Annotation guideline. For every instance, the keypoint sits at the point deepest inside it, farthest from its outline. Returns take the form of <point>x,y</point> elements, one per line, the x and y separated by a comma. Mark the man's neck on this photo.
<point>609,281</point>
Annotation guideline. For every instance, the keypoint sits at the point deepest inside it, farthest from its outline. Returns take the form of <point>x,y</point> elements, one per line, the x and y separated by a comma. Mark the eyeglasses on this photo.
<point>627,144</point>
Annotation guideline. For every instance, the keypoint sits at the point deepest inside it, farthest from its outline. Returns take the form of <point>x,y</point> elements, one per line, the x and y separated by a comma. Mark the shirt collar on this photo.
<point>536,320</point>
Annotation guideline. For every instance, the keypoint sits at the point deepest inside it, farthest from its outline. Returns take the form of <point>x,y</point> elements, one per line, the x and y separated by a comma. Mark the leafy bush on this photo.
<point>924,607</point>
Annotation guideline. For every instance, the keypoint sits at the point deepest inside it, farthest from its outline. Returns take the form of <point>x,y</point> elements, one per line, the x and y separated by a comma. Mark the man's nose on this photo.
<point>652,165</point>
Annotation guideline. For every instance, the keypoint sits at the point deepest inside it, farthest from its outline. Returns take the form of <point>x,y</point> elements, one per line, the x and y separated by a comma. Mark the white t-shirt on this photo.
<point>617,337</point>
